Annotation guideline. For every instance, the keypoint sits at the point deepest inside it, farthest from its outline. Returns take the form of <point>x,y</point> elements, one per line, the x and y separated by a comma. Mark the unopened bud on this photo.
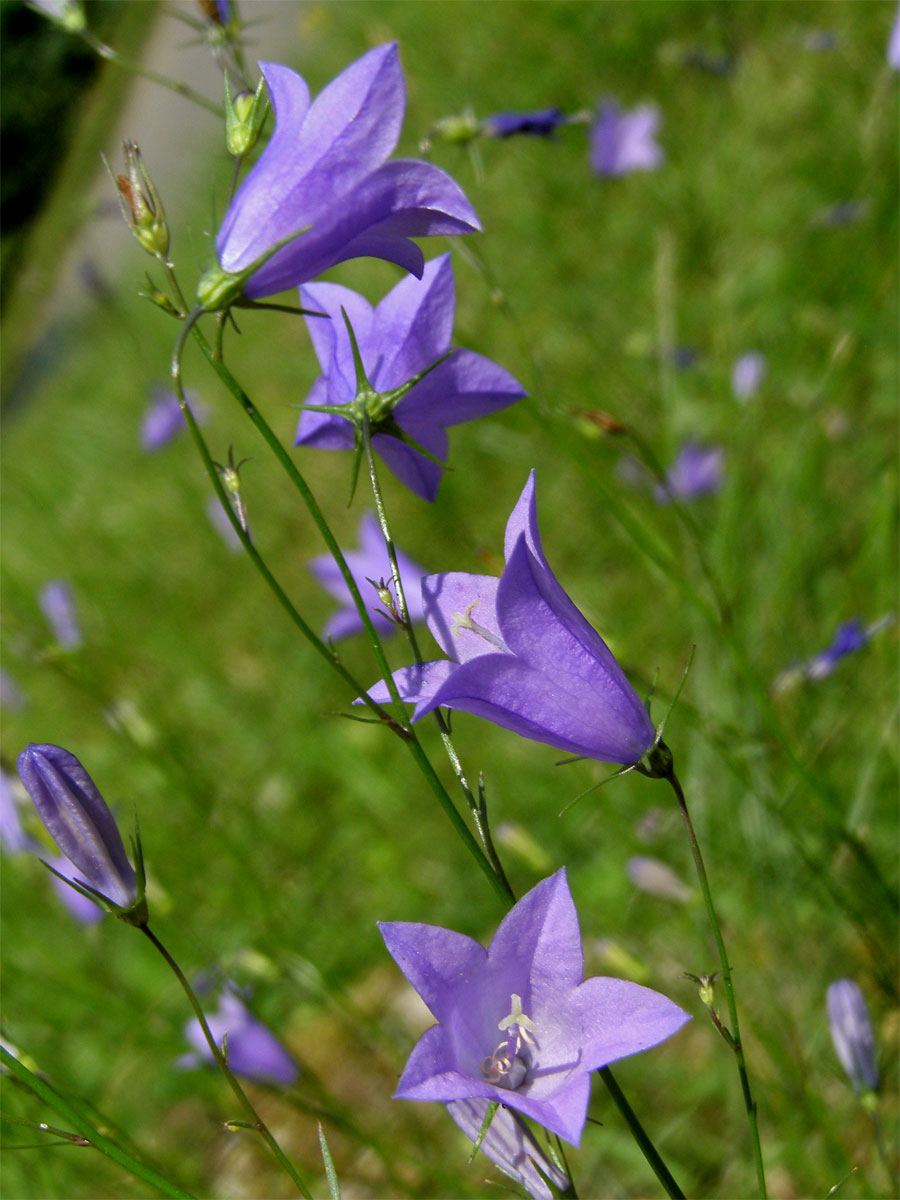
<point>244,117</point>
<point>141,205</point>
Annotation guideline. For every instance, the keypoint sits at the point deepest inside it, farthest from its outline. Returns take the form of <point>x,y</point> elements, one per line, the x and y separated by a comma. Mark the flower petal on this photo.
<point>456,594</point>
<point>541,936</point>
<point>618,1018</point>
<point>415,684</point>
<point>464,387</point>
<point>414,324</point>
<point>328,334</point>
<point>436,961</point>
<point>510,1145</point>
<point>419,473</point>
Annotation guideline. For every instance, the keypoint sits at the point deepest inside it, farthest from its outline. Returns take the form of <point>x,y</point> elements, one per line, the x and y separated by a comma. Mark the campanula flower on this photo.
<point>747,374</point>
<point>893,49</point>
<point>253,1050</point>
<point>522,655</point>
<point>219,520</point>
<point>657,878</point>
<point>511,1145</point>
<point>164,420</point>
<point>404,335</point>
<point>78,820</point>
<point>622,142</point>
<point>58,606</point>
<point>542,123</point>
<point>697,471</point>
<point>85,911</point>
<point>849,637</point>
<point>369,564</point>
<point>324,177</point>
<point>517,1023</point>
<point>851,1032</point>
<point>11,695</point>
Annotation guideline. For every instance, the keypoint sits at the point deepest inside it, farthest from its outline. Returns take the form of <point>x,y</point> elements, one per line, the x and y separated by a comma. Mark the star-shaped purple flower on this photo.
<point>253,1050</point>
<point>697,471</point>
<point>523,656</point>
<point>517,1023</point>
<point>369,562</point>
<point>622,142</point>
<point>408,331</point>
<point>325,171</point>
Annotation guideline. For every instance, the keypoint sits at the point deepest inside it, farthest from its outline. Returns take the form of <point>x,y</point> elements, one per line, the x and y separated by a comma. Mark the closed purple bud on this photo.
<point>78,820</point>
<point>851,1032</point>
<point>542,123</point>
<point>58,607</point>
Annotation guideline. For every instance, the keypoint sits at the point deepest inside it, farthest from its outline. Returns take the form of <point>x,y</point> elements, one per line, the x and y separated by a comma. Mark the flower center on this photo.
<point>508,1066</point>
<point>464,621</point>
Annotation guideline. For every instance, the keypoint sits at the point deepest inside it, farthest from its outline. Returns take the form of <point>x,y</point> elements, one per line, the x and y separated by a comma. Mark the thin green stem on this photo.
<point>660,1170</point>
<point>174,85</point>
<point>735,1032</point>
<point>222,1061</point>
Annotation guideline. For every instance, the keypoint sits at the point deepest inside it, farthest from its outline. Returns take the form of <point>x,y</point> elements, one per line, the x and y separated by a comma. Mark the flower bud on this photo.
<point>851,1033</point>
<point>79,821</point>
<point>244,117</point>
<point>141,205</point>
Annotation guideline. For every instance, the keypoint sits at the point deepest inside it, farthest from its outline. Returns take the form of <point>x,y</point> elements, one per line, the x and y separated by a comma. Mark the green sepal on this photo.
<point>219,289</point>
<point>482,1132</point>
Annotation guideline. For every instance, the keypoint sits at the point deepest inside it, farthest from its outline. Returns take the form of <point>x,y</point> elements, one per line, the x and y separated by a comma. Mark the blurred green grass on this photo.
<point>277,834</point>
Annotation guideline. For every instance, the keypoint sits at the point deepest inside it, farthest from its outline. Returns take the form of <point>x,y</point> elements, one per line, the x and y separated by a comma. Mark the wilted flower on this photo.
<point>542,123</point>
<point>406,333</point>
<point>78,820</point>
<point>58,606</point>
<point>523,656</point>
<point>369,564</point>
<point>625,141</point>
<point>851,1032</point>
<point>253,1050</point>
<point>697,471</point>
<point>657,878</point>
<point>517,1023</point>
<point>324,177</point>
<point>747,374</point>
<point>164,420</point>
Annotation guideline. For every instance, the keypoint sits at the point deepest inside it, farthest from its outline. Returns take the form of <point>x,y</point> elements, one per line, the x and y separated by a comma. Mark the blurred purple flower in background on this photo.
<point>517,1023</point>
<point>85,911</point>
<point>79,821</point>
<point>523,656</point>
<point>370,562</point>
<point>219,520</point>
<point>409,330</point>
<point>542,123</point>
<point>747,374</point>
<point>624,141</point>
<point>164,420</point>
<point>697,471</point>
<point>58,606</point>
<point>11,695</point>
<point>848,637</point>
<point>253,1050</point>
<point>851,1033</point>
<point>657,878</point>
<point>893,49</point>
<point>324,171</point>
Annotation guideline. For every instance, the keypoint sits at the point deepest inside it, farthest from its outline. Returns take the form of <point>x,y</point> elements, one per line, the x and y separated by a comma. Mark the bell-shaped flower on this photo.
<point>369,566</point>
<point>522,655</point>
<point>851,1033</point>
<point>518,1024</point>
<point>323,191</point>
<point>747,374</point>
<point>401,338</point>
<point>164,420</point>
<point>253,1050</point>
<point>697,471</point>
<point>511,1145</point>
<point>78,820</point>
<point>622,142</point>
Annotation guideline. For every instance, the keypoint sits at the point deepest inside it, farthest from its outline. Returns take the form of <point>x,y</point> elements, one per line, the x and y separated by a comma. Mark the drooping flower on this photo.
<point>697,471</point>
<point>78,820</point>
<point>164,420</point>
<point>517,1023</point>
<point>253,1050</point>
<point>325,172</point>
<point>368,564</point>
<point>542,123</point>
<point>58,606</point>
<point>851,1033</point>
<point>747,374</point>
<point>523,656</point>
<point>625,141</point>
<point>406,333</point>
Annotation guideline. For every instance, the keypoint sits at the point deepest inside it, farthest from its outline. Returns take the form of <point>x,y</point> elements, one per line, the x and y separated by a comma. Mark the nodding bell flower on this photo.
<point>518,1025</point>
<point>79,821</point>
<point>851,1033</point>
<point>253,1050</point>
<point>323,191</point>
<point>140,204</point>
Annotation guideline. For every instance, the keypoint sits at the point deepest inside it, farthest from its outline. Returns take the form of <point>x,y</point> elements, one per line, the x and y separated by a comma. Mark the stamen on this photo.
<point>463,621</point>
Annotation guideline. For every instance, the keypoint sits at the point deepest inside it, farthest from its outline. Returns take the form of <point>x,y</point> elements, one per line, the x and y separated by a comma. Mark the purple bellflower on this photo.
<point>324,177</point>
<point>657,878</point>
<point>851,1032</point>
<point>369,563</point>
<point>697,471</point>
<point>622,142</point>
<point>58,606</point>
<point>747,374</point>
<point>253,1050</point>
<point>517,1023</point>
<point>542,123</point>
<point>401,338</point>
<point>164,420</point>
<point>893,49</point>
<point>521,655</point>
<point>849,637</point>
<point>78,820</point>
